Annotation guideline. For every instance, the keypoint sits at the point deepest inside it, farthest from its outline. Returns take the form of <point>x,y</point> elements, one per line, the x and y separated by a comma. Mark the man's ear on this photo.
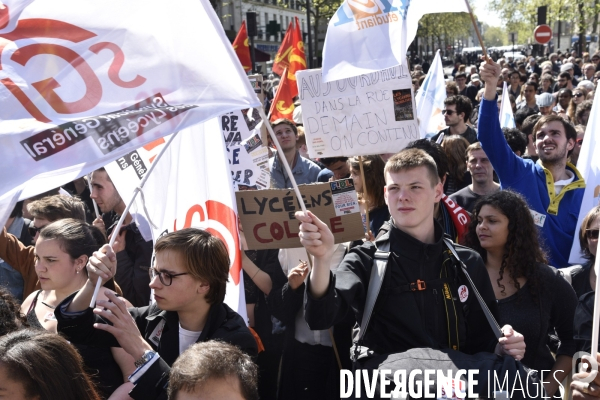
<point>202,288</point>
<point>439,191</point>
<point>570,144</point>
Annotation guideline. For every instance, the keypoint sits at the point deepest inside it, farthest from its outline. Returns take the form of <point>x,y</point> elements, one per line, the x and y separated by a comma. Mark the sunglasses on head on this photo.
<point>449,112</point>
<point>591,233</point>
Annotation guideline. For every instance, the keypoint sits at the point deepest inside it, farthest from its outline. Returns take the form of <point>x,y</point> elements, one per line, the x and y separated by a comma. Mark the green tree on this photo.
<point>494,36</point>
<point>441,30</point>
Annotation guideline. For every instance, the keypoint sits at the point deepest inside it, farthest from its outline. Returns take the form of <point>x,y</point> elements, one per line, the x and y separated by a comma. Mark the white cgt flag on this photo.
<point>83,83</point>
<point>191,187</point>
<point>430,99</point>
<point>370,35</point>
<point>507,119</point>
<point>588,165</point>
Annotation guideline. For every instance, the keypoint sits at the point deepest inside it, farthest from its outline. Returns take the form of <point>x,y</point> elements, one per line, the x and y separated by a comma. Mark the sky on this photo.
<point>483,14</point>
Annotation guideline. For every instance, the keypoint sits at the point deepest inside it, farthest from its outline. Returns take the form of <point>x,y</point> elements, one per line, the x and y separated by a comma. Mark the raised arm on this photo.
<point>102,265</point>
<point>316,237</point>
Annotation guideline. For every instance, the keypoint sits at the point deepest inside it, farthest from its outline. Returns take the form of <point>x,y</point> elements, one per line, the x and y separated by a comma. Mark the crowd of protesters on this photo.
<point>509,199</point>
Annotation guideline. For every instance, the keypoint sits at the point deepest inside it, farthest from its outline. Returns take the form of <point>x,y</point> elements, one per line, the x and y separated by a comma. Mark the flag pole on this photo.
<point>485,54</point>
<point>282,157</point>
<point>115,231</point>
<point>364,189</point>
<point>596,319</point>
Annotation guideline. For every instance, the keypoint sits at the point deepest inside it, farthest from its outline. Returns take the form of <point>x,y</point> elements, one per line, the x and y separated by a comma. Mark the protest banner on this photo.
<point>430,99</point>
<point>368,36</point>
<point>82,85</point>
<point>267,216</point>
<point>588,166</point>
<point>367,114</point>
<point>246,149</point>
<point>190,188</point>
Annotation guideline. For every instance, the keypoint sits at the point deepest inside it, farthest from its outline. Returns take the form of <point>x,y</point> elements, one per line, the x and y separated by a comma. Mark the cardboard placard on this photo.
<point>267,216</point>
<point>256,81</point>
<point>367,114</point>
<point>247,151</point>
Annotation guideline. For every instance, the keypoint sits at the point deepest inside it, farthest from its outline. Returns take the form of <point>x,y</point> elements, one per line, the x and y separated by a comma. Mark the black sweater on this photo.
<point>404,320</point>
<point>553,312</point>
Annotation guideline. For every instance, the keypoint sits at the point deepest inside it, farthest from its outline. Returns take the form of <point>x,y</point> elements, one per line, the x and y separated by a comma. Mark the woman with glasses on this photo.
<point>189,279</point>
<point>532,297</point>
<point>61,252</point>
<point>579,95</point>
<point>584,278</point>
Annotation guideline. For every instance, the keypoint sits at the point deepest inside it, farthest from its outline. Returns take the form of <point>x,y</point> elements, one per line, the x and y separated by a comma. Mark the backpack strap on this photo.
<point>380,260</point>
<point>488,314</point>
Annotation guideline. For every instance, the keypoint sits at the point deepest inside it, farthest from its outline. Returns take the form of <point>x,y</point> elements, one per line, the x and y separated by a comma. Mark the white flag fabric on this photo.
<point>430,99</point>
<point>507,119</point>
<point>190,186</point>
<point>588,165</point>
<point>370,35</point>
<point>83,83</point>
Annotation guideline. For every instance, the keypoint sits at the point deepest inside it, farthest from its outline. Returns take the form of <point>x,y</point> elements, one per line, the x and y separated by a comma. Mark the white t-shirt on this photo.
<point>559,185</point>
<point>187,338</point>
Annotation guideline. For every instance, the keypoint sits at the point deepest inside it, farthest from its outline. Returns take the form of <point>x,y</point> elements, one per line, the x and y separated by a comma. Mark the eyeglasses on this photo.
<point>591,233</point>
<point>33,230</point>
<point>577,94</point>
<point>165,277</point>
<point>449,112</point>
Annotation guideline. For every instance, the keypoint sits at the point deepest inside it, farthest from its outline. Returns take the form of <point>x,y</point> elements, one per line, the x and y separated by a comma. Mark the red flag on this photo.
<point>282,58</point>
<point>240,46</point>
<point>283,103</point>
<point>297,59</point>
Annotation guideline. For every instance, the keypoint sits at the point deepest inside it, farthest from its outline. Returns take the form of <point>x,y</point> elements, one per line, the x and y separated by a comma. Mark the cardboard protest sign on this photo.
<point>367,114</point>
<point>247,151</point>
<point>267,216</point>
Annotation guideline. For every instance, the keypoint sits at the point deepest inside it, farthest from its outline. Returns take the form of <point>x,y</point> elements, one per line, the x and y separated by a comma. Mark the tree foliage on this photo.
<point>443,29</point>
<point>494,36</point>
<point>521,16</point>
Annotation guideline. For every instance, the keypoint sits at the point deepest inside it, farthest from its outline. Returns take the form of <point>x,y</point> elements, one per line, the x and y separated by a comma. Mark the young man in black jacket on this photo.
<point>411,307</point>
<point>189,280</point>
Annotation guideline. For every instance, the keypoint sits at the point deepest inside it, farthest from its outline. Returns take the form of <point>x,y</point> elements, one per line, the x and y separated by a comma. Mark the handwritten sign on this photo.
<point>246,149</point>
<point>367,114</point>
<point>267,216</point>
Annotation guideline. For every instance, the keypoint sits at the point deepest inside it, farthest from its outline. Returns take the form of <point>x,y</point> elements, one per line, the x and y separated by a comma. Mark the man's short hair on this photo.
<point>435,151</point>
<point>522,114</point>
<point>462,103</point>
<point>514,72</point>
<point>332,160</point>
<point>569,128</point>
<point>471,148</point>
<point>408,159</point>
<point>285,121</point>
<point>565,75</point>
<point>532,83</point>
<point>57,207</point>
<point>517,141</point>
<point>205,257</point>
<point>582,108</point>
<point>529,123</point>
<point>205,361</point>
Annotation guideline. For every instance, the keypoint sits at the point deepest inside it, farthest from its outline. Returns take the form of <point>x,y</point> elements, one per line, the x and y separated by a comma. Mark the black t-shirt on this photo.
<point>466,198</point>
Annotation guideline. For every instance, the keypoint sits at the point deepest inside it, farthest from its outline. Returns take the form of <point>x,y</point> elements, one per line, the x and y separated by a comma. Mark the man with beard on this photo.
<point>552,187</point>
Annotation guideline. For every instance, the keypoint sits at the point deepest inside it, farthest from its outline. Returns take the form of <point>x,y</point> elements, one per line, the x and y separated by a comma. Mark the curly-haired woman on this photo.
<point>532,297</point>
